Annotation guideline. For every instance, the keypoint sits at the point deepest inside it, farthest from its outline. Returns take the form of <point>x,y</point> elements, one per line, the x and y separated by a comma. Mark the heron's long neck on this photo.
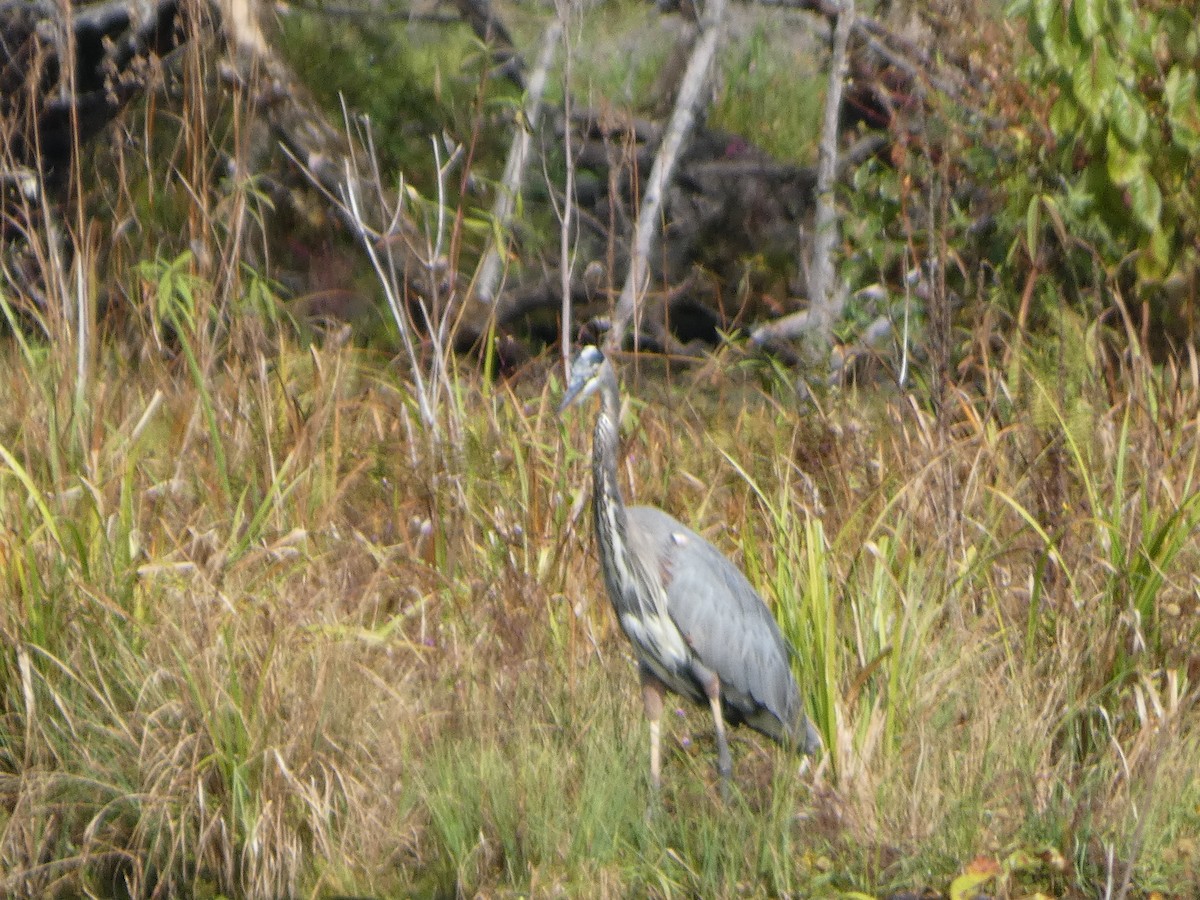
<point>607,506</point>
<point>606,492</point>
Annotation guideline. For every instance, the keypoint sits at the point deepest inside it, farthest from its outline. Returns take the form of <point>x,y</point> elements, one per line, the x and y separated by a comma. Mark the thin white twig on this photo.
<point>565,256</point>
<point>389,283</point>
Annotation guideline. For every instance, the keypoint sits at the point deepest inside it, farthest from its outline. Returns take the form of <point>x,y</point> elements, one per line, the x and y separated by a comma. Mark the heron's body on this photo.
<point>697,626</point>
<point>745,650</point>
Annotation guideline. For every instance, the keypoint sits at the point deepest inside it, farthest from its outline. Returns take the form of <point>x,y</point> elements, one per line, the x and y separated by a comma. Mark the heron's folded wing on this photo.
<point>721,617</point>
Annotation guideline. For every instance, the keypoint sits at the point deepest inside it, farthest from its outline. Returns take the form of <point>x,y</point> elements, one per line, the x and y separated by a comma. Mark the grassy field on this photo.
<point>266,634</point>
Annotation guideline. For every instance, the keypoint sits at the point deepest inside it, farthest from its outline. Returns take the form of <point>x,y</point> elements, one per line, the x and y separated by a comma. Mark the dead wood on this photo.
<point>826,301</point>
<point>51,103</point>
<point>65,72</point>
<point>691,96</point>
<point>490,269</point>
<point>709,201</point>
<point>893,49</point>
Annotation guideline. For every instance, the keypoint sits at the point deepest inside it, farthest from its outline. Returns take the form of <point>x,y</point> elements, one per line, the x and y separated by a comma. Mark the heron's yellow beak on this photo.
<point>575,392</point>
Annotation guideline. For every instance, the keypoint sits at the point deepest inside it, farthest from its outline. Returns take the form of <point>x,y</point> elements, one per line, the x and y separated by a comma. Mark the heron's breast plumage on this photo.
<point>661,648</point>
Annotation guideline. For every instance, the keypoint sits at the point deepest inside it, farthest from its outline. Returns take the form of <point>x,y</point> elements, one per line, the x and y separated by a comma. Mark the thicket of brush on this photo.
<point>282,618</point>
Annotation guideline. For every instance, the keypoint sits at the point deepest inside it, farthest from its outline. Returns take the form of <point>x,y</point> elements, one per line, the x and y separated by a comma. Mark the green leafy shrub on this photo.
<point>1124,125</point>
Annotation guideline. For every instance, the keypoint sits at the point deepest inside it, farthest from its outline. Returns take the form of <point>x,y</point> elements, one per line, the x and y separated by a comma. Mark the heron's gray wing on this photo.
<point>725,623</point>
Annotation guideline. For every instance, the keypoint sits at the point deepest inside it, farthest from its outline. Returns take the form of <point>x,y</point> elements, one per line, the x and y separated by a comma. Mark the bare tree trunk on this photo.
<point>566,231</point>
<point>491,268</point>
<point>826,301</point>
<point>691,95</point>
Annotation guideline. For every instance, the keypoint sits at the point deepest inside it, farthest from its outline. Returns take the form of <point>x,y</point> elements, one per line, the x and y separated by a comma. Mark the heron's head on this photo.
<point>587,373</point>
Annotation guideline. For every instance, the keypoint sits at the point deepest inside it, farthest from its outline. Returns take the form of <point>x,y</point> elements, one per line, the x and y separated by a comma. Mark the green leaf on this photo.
<point>1179,29</point>
<point>1183,109</point>
<point>1159,248</point>
<point>1064,116</point>
<point>1056,218</point>
<point>1059,51</point>
<point>1087,15</point>
<point>1180,87</point>
<point>1155,258</point>
<point>1043,10</point>
<point>1033,225</point>
<point>1146,200</point>
<point>1080,200</point>
<point>1124,166</point>
<point>1129,116</point>
<point>1094,79</point>
<point>978,873</point>
<point>1047,33</point>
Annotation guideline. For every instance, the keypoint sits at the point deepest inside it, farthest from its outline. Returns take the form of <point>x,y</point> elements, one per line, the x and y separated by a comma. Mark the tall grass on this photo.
<point>308,669</point>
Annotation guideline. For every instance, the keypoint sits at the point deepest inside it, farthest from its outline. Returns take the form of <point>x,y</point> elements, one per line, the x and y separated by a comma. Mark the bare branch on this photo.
<point>825,302</point>
<point>916,62</point>
<point>566,231</point>
<point>490,269</point>
<point>825,226</point>
<point>691,94</point>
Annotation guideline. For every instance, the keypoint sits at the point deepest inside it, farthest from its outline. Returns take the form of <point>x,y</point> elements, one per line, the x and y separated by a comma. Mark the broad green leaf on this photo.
<point>1160,248</point>
<point>1124,166</point>
<point>1129,116</point>
<point>1146,200</point>
<point>1080,200</point>
<point>1124,21</point>
<point>1183,109</point>
<point>1094,79</point>
<point>1056,218</point>
<point>1064,116</point>
<point>1068,55</point>
<point>1087,15</point>
<point>1182,35</point>
<point>980,871</point>
<point>1155,258</point>
<point>1180,87</point>
<point>1186,136</point>
<point>1043,10</point>
<point>1059,51</point>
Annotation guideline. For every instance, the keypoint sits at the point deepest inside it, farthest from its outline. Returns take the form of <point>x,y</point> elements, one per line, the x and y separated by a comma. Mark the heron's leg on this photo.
<point>652,697</point>
<point>710,682</point>
<point>712,689</point>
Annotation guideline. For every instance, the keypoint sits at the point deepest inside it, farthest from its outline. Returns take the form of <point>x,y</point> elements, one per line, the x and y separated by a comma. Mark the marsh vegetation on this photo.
<point>291,609</point>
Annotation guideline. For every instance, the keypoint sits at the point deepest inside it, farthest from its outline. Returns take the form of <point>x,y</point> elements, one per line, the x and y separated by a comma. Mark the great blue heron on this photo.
<point>697,626</point>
